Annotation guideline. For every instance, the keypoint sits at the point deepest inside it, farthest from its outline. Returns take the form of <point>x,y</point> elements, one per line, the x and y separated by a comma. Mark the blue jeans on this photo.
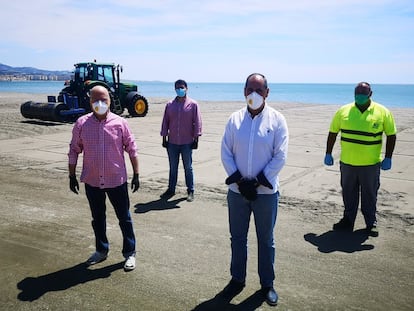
<point>264,209</point>
<point>364,181</point>
<point>186,152</point>
<point>120,201</point>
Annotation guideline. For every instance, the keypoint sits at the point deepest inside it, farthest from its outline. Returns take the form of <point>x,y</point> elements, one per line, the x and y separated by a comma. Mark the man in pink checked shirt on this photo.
<point>103,137</point>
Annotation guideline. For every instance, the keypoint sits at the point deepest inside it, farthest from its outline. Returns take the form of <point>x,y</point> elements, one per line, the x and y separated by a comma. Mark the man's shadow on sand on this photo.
<point>158,205</point>
<point>340,241</point>
<point>251,303</point>
<point>32,288</point>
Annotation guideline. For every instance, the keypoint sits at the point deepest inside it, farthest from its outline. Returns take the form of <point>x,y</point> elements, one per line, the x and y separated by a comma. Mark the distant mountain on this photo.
<point>31,73</point>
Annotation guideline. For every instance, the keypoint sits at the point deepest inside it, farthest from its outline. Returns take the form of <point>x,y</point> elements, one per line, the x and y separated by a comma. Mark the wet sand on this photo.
<point>184,248</point>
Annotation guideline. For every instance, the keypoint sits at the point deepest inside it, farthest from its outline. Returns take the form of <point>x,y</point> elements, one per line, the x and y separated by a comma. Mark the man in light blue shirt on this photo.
<point>253,152</point>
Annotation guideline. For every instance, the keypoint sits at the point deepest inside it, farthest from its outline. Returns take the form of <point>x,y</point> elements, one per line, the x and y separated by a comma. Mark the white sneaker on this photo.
<point>96,258</point>
<point>130,263</point>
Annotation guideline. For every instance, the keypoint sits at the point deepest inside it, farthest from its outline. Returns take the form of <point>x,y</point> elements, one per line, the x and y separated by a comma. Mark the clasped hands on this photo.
<point>248,186</point>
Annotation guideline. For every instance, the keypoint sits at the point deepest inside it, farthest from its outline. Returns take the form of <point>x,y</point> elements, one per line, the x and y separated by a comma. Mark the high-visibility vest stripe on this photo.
<point>361,142</point>
<point>362,133</point>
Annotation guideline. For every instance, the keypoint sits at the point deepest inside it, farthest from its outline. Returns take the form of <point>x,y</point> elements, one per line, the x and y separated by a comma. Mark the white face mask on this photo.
<point>254,100</point>
<point>100,107</point>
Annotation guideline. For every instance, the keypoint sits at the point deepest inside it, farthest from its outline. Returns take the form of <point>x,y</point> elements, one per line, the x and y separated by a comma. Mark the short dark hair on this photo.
<point>363,88</point>
<point>180,82</point>
<point>256,74</point>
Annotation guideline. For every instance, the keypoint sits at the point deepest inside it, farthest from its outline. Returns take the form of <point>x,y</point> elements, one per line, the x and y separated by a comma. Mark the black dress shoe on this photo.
<point>270,295</point>
<point>232,289</point>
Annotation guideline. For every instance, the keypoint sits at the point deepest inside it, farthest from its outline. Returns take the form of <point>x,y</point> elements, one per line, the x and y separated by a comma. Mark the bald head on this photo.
<point>100,93</point>
<point>256,76</point>
<point>256,82</point>
<point>100,101</point>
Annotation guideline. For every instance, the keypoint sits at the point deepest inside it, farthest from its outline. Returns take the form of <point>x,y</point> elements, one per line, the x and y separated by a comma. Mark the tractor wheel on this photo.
<point>138,107</point>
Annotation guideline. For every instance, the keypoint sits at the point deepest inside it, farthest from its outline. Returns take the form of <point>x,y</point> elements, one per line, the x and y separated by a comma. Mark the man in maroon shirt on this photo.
<point>180,129</point>
<point>103,137</point>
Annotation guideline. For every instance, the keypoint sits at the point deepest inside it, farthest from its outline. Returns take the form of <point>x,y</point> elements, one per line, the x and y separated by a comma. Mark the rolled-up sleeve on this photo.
<point>197,121</point>
<point>165,125</point>
<point>129,141</point>
<point>75,146</point>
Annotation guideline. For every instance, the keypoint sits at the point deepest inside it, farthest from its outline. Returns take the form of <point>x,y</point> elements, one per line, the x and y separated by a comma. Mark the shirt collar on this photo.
<point>109,116</point>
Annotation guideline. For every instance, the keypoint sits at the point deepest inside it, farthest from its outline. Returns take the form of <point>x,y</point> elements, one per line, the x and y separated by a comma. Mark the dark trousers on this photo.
<point>264,210</point>
<point>119,198</point>
<point>364,182</point>
<point>186,152</point>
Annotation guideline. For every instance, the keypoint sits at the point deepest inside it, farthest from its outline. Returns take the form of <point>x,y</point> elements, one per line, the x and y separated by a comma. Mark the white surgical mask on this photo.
<point>100,107</point>
<point>254,100</point>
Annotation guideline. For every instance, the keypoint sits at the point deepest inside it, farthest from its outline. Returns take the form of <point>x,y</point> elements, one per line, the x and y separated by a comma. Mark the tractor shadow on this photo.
<point>340,241</point>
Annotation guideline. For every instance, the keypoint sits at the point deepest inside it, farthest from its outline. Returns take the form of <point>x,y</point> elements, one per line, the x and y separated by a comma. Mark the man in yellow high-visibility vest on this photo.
<point>362,124</point>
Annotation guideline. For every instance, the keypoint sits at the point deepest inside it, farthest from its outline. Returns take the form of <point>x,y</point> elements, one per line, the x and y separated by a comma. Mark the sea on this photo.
<point>390,95</point>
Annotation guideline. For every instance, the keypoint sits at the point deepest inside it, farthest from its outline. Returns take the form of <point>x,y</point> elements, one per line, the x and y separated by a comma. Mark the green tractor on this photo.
<point>73,99</point>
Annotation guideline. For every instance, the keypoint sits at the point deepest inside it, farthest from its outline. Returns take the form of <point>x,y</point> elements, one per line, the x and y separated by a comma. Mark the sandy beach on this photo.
<point>183,249</point>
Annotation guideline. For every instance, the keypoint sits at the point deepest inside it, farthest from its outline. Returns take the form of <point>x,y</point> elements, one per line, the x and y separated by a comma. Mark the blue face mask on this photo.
<point>180,92</point>
<point>361,99</point>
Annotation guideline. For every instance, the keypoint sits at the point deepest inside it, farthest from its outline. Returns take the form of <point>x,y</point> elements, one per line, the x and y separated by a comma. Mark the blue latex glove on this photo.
<point>386,164</point>
<point>328,159</point>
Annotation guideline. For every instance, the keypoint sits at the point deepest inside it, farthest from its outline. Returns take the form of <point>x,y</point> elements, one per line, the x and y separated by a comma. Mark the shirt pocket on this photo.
<point>265,136</point>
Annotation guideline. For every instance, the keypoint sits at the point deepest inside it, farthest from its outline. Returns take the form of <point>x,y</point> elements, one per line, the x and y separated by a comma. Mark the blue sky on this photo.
<point>311,41</point>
